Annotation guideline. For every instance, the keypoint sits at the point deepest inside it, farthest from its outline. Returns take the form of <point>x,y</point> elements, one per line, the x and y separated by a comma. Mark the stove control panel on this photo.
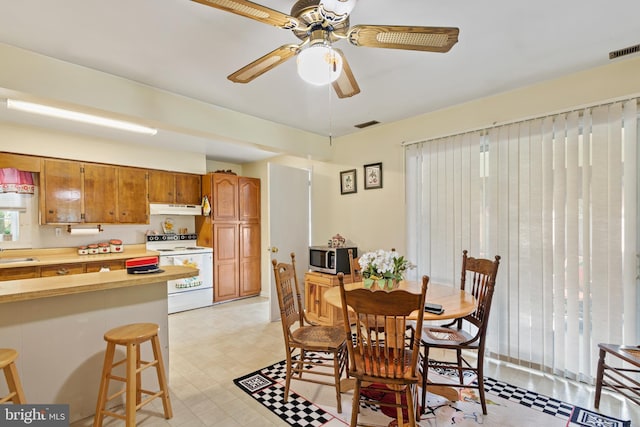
<point>171,237</point>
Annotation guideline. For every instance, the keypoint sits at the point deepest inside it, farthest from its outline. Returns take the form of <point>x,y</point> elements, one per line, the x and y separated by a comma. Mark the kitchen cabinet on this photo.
<point>61,197</point>
<point>249,260</point>
<point>233,231</point>
<point>317,309</point>
<point>17,273</point>
<point>64,269</point>
<point>21,162</point>
<point>61,270</point>
<point>249,199</point>
<point>133,205</point>
<point>188,189</point>
<point>111,265</point>
<point>224,197</point>
<point>100,193</point>
<point>174,188</point>
<point>225,262</point>
<point>77,192</point>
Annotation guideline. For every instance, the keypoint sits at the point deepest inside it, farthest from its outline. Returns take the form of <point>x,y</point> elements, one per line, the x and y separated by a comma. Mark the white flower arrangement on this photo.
<point>383,266</point>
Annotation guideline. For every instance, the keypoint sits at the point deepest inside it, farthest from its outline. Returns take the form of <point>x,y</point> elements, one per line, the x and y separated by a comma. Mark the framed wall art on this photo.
<point>348,182</point>
<point>372,176</point>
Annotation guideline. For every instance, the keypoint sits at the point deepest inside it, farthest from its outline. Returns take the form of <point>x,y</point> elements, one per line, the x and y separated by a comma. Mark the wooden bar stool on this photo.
<point>8,358</point>
<point>132,336</point>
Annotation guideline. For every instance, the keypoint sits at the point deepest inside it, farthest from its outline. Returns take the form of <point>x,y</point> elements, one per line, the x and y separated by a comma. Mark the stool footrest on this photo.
<point>113,414</point>
<point>152,396</point>
<point>8,397</point>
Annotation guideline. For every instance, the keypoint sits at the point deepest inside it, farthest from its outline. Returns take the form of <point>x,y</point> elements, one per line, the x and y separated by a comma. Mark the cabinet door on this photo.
<point>326,312</point>
<point>224,197</point>
<point>15,273</point>
<point>250,283</point>
<point>161,187</point>
<point>113,264</point>
<point>61,270</point>
<point>249,198</point>
<point>62,186</point>
<point>225,262</point>
<point>100,193</point>
<point>133,204</point>
<point>188,189</point>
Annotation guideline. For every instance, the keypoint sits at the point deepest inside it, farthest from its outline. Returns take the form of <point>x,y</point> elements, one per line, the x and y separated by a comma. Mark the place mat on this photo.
<point>313,405</point>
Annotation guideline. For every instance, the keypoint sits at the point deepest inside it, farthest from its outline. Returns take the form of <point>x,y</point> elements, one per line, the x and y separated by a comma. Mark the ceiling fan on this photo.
<point>319,24</point>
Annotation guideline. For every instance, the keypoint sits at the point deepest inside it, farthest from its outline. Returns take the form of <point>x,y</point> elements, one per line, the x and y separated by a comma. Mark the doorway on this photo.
<point>289,222</point>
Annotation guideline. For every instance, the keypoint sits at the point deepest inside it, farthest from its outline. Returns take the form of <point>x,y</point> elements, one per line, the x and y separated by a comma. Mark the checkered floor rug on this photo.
<point>312,405</point>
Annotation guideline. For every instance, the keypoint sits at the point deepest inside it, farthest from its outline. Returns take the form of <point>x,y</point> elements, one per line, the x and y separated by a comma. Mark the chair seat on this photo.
<point>443,337</point>
<point>319,337</point>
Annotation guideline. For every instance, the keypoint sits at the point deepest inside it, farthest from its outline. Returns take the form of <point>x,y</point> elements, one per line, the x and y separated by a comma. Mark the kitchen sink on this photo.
<point>12,260</point>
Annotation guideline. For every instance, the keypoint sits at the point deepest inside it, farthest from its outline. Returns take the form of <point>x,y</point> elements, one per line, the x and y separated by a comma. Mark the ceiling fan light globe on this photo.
<point>319,65</point>
<point>336,10</point>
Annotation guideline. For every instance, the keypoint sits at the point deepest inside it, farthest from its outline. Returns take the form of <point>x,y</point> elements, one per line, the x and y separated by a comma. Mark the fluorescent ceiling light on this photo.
<point>78,117</point>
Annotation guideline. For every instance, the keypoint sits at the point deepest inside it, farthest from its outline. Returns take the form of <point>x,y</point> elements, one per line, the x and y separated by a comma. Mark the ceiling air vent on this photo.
<point>367,124</point>
<point>626,51</point>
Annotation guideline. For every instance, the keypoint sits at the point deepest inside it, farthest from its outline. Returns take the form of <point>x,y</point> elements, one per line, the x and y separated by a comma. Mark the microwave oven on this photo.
<point>330,260</point>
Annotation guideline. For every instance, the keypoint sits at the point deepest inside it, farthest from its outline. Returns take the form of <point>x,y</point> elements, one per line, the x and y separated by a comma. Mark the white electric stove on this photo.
<point>181,249</point>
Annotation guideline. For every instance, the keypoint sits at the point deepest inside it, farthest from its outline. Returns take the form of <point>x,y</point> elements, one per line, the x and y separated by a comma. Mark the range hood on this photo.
<point>167,209</point>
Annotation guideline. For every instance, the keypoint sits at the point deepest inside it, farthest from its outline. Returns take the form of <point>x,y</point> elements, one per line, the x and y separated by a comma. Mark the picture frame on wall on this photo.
<point>348,182</point>
<point>372,176</point>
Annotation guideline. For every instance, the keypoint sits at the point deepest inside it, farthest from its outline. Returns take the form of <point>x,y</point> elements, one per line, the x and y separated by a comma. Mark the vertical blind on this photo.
<point>556,198</point>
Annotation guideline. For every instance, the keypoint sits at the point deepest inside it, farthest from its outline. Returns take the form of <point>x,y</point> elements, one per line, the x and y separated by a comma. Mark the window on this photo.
<point>9,220</point>
<point>18,219</point>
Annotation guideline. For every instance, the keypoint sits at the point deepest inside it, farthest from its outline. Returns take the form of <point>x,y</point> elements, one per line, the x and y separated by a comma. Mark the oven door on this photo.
<point>191,292</point>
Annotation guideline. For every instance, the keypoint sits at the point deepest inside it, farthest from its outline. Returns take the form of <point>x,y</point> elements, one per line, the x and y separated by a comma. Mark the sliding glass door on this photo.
<point>557,198</point>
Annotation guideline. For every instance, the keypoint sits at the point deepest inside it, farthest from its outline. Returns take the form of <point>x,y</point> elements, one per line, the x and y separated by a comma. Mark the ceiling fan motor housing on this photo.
<point>308,11</point>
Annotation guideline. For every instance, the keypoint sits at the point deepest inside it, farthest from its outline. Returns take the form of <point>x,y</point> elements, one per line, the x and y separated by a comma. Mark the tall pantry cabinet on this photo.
<point>233,231</point>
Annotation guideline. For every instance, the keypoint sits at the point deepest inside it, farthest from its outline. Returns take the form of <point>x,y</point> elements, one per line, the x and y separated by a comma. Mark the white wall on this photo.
<point>376,218</point>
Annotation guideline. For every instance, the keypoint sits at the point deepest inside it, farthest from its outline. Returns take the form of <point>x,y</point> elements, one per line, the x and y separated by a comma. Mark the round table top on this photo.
<point>456,303</point>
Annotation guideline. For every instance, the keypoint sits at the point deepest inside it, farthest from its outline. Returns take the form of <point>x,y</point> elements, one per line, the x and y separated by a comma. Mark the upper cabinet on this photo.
<point>100,193</point>
<point>249,203</point>
<point>174,188</point>
<point>76,192</point>
<point>61,195</point>
<point>224,196</point>
<point>82,192</point>
<point>133,205</point>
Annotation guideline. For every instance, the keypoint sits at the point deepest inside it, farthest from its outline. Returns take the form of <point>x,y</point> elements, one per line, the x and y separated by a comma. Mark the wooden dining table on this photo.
<point>456,303</point>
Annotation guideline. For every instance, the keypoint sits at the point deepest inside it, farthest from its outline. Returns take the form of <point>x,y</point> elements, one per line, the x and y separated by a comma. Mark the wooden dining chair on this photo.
<point>480,276</point>
<point>381,361</point>
<point>354,267</point>
<point>321,350</point>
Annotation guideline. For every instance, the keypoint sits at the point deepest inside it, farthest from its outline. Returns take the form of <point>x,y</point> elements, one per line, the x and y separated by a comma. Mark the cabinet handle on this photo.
<point>62,272</point>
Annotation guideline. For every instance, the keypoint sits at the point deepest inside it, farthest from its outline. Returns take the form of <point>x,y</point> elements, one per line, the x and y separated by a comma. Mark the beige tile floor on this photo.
<point>209,347</point>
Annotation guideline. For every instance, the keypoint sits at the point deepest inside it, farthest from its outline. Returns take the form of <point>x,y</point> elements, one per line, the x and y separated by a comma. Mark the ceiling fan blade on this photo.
<point>430,39</point>
<point>264,64</point>
<point>255,11</point>
<point>345,85</point>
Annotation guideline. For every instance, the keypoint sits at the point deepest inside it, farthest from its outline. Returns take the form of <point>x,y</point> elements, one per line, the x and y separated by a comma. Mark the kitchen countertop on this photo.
<point>45,287</point>
<point>68,256</point>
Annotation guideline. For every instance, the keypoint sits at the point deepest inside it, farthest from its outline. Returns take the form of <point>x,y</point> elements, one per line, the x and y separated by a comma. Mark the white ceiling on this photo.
<point>189,49</point>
